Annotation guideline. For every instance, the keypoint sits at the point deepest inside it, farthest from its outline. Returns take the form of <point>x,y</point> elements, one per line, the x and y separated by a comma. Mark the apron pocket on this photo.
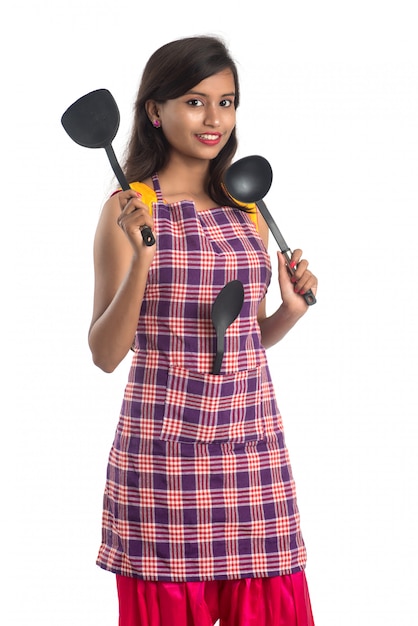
<point>210,408</point>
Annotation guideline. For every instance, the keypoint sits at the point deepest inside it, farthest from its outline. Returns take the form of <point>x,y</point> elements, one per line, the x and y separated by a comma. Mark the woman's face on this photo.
<point>199,123</point>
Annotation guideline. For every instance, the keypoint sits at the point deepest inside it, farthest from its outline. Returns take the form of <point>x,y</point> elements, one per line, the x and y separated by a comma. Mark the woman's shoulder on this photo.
<point>148,194</point>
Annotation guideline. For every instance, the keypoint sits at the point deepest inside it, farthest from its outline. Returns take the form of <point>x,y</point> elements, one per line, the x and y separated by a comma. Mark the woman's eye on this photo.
<point>226,103</point>
<point>195,102</point>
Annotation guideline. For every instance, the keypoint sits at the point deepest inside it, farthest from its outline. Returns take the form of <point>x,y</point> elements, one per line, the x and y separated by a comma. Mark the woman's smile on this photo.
<point>211,139</point>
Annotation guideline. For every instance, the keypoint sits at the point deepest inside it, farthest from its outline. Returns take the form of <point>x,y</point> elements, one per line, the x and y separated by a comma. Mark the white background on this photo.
<point>330,98</point>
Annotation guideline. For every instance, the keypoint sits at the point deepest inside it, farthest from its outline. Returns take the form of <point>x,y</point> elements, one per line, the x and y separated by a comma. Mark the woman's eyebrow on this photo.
<point>205,95</point>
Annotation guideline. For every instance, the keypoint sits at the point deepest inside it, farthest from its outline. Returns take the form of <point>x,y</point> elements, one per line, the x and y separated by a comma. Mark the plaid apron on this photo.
<point>199,485</point>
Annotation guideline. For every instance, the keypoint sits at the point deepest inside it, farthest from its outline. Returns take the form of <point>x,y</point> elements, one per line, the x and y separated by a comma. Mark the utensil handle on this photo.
<point>220,349</point>
<point>284,248</point>
<point>261,205</point>
<point>309,297</point>
<point>146,231</point>
<point>218,362</point>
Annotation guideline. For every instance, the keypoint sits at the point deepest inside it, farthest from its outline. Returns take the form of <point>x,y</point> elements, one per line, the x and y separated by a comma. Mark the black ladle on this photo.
<point>225,310</point>
<point>92,121</point>
<point>248,180</point>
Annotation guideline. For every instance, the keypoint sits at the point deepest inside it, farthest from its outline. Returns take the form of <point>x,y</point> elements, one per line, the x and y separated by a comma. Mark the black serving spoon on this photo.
<point>248,180</point>
<point>92,121</point>
<point>225,310</point>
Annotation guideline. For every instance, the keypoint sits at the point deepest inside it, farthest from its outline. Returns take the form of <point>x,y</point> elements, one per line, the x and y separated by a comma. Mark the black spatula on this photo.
<point>92,121</point>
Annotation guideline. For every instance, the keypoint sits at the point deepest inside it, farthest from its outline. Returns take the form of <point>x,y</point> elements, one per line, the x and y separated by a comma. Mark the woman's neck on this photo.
<point>186,181</point>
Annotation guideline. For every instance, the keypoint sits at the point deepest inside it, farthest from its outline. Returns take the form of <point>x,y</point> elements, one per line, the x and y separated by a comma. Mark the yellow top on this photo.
<point>149,196</point>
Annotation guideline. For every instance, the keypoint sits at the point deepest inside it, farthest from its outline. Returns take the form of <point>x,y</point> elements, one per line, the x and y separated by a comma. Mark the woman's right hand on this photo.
<point>133,217</point>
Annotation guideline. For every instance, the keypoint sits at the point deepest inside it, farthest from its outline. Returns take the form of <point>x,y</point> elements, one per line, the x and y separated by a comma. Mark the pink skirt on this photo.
<point>276,601</point>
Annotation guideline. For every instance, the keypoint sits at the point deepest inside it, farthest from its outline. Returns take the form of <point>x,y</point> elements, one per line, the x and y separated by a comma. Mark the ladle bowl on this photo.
<point>248,180</point>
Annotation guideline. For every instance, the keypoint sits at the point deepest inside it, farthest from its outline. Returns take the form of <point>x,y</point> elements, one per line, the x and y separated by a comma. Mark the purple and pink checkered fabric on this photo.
<point>199,485</point>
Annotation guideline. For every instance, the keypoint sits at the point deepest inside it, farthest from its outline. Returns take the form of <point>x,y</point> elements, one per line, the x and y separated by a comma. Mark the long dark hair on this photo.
<point>171,72</point>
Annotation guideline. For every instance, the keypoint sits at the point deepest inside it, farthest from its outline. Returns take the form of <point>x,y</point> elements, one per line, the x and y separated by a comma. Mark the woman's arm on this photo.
<point>293,307</point>
<point>121,264</point>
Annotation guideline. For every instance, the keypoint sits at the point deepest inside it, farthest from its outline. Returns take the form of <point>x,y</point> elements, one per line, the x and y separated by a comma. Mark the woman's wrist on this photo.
<point>277,325</point>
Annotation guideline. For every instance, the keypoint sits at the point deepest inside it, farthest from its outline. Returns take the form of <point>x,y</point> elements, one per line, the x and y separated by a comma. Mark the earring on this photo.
<point>156,124</point>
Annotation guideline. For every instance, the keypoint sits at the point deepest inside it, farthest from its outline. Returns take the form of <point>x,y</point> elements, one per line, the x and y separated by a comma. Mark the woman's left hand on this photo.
<point>292,287</point>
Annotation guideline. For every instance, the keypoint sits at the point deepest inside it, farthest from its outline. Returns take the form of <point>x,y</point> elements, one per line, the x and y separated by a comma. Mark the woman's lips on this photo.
<point>210,139</point>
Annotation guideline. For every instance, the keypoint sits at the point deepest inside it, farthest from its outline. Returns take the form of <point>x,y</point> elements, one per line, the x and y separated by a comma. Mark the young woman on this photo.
<point>200,517</point>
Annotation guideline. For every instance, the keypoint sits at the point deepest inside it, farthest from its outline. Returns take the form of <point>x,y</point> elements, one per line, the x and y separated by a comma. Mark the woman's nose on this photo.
<point>212,116</point>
